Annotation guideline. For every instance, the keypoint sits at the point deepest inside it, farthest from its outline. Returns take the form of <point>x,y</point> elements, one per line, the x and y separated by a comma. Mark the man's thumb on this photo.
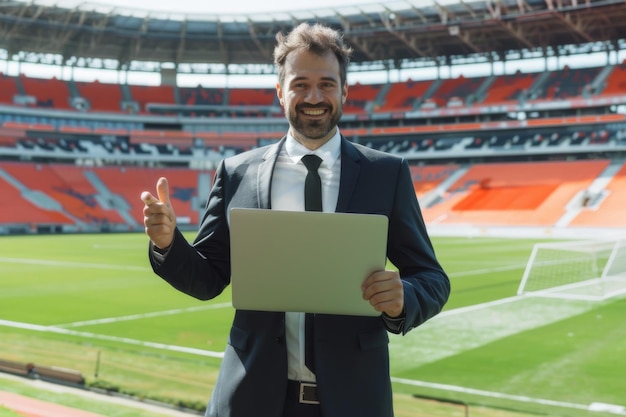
<point>163,191</point>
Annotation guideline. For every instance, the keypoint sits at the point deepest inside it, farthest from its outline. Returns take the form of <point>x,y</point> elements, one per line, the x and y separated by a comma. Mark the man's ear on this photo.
<point>279,93</point>
<point>344,93</point>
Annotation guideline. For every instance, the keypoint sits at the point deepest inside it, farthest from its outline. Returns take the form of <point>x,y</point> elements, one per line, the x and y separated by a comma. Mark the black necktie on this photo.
<point>312,202</point>
<point>312,183</point>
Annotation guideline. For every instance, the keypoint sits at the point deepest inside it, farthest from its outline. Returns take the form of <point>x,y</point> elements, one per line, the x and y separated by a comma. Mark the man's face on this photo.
<point>312,96</point>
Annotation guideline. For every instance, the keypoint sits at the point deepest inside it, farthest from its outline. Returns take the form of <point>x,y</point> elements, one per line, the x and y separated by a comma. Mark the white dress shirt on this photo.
<point>288,194</point>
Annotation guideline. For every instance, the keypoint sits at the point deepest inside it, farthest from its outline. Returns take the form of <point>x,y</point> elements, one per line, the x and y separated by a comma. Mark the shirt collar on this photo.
<point>329,152</point>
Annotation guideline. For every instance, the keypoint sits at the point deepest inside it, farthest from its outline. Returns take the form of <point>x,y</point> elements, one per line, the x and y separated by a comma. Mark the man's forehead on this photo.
<point>302,63</point>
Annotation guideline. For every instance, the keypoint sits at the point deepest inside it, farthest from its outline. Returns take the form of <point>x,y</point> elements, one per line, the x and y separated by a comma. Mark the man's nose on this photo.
<point>314,95</point>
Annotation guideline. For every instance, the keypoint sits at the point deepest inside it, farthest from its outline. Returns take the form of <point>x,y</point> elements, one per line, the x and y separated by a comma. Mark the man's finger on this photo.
<point>148,198</point>
<point>163,191</point>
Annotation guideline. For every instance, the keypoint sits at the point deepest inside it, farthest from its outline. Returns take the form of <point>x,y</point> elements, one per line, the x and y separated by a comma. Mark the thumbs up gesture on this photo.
<point>158,215</point>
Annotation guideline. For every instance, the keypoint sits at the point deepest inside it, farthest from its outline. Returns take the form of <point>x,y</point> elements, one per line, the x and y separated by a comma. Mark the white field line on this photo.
<point>487,270</point>
<point>608,408</point>
<point>72,264</point>
<point>88,335</point>
<point>143,315</point>
<point>459,330</point>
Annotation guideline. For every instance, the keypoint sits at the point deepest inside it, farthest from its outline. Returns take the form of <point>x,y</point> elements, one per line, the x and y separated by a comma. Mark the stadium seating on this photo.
<point>456,91</point>
<point>565,83</point>
<point>520,193</point>
<point>616,81</point>
<point>129,182</point>
<point>50,93</point>
<point>514,193</point>
<point>605,208</point>
<point>144,95</point>
<point>8,89</point>
<point>506,89</point>
<point>67,186</point>
<point>102,97</point>
<point>403,96</point>
<point>361,97</point>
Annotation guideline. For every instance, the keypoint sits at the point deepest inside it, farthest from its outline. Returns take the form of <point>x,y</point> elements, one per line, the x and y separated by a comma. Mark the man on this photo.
<point>263,369</point>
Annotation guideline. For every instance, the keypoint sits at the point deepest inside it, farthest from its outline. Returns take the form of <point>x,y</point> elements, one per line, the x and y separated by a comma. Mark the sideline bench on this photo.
<point>61,375</point>
<point>16,368</point>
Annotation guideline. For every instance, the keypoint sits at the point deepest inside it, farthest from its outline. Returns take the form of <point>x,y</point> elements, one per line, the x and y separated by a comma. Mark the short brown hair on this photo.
<point>315,38</point>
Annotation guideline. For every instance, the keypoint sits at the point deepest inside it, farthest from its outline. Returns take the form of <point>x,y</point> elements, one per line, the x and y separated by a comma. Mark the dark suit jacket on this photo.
<point>352,357</point>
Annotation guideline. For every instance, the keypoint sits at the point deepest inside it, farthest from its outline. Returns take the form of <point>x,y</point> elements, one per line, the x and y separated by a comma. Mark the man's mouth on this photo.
<point>314,112</point>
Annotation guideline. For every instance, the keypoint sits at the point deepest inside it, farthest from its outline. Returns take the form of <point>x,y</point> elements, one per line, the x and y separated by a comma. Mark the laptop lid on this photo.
<point>304,261</point>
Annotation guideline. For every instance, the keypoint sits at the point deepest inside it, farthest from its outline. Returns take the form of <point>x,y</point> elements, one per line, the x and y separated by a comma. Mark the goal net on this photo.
<point>588,270</point>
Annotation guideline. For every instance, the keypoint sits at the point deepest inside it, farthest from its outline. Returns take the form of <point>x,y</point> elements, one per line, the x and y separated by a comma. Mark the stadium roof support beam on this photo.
<point>16,23</point>
<point>465,37</point>
<point>254,36</point>
<point>180,49</point>
<point>517,34</point>
<point>68,32</point>
<point>361,44</point>
<point>99,30</point>
<point>222,46</point>
<point>575,27</point>
<point>411,43</point>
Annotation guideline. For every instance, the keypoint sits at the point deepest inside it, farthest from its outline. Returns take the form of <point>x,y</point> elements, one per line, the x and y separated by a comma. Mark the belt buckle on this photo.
<point>308,396</point>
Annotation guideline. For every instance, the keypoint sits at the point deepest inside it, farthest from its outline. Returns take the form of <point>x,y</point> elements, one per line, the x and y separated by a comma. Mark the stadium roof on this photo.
<point>395,34</point>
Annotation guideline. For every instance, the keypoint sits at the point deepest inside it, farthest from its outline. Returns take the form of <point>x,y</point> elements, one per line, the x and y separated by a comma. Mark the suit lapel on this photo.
<point>349,174</point>
<point>264,175</point>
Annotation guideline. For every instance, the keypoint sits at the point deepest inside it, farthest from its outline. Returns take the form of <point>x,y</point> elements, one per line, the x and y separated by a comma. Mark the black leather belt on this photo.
<point>303,392</point>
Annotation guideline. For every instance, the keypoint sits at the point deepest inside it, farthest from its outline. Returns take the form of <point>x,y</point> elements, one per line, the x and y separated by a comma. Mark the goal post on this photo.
<point>587,270</point>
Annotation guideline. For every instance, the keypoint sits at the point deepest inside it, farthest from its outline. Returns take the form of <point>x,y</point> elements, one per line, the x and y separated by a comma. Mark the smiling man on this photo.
<point>266,369</point>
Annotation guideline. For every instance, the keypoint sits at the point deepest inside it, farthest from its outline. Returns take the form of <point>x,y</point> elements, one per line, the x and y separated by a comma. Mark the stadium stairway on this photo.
<point>37,198</point>
<point>110,201</point>
<point>435,196</point>
<point>592,196</point>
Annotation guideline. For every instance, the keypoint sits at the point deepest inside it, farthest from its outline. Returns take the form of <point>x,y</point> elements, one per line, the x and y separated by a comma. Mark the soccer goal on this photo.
<point>587,270</point>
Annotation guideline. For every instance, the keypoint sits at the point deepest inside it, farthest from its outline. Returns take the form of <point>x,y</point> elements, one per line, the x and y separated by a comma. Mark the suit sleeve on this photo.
<point>426,285</point>
<point>201,269</point>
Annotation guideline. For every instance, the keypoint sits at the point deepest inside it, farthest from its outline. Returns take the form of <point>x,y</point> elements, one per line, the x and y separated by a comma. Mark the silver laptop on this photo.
<point>304,261</point>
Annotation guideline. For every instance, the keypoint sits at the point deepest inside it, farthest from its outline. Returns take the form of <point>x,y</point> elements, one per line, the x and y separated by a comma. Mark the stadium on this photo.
<point>512,115</point>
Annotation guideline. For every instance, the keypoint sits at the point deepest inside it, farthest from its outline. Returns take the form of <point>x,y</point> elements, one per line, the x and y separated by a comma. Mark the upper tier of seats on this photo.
<point>403,96</point>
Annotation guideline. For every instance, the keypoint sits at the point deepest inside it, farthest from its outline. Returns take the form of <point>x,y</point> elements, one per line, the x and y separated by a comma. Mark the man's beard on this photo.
<point>313,129</point>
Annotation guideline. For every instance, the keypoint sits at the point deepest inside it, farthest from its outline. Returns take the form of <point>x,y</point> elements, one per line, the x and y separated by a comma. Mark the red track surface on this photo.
<point>30,407</point>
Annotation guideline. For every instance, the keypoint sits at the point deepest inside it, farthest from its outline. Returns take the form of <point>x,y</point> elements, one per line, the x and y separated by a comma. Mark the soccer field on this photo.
<point>92,303</point>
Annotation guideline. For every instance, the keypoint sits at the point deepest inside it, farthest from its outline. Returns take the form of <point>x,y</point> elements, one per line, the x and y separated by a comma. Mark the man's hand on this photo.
<point>385,292</point>
<point>158,215</point>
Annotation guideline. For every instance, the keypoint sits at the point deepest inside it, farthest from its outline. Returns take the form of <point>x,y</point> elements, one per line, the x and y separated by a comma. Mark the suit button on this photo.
<point>278,339</point>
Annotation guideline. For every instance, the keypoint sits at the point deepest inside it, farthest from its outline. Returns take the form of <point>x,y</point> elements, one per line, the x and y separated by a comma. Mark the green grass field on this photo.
<point>91,303</point>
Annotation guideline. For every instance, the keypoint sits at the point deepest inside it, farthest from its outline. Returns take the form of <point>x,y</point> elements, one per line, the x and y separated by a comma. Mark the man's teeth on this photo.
<point>314,112</point>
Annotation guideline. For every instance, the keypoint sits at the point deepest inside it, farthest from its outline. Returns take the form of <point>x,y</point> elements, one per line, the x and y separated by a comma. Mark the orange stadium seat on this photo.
<point>102,97</point>
<point>506,88</point>
<point>143,95</point>
<point>17,209</point>
<point>251,96</point>
<point>566,83</point>
<point>66,185</point>
<point>428,177</point>
<point>456,88</point>
<point>360,96</point>
<point>8,89</point>
<point>129,182</point>
<point>610,210</point>
<point>51,93</point>
<point>616,81</point>
<point>403,95</point>
<point>521,193</point>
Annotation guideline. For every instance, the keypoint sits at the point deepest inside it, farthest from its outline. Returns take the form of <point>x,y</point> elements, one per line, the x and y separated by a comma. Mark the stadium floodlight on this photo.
<point>586,270</point>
